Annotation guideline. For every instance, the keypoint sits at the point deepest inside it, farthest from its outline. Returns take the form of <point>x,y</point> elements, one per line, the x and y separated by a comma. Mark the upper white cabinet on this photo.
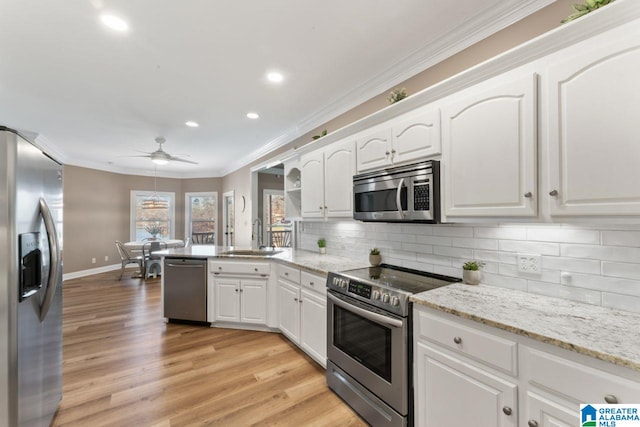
<point>327,181</point>
<point>292,188</point>
<point>489,149</point>
<point>593,130</point>
<point>407,138</point>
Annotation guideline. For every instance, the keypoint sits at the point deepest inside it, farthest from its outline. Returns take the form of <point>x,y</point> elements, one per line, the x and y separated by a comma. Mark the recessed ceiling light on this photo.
<point>275,77</point>
<point>253,116</point>
<point>114,22</point>
<point>192,124</point>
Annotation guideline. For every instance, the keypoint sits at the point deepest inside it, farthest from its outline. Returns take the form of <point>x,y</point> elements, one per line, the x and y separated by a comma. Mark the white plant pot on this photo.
<point>323,250</point>
<point>472,277</point>
<point>375,260</point>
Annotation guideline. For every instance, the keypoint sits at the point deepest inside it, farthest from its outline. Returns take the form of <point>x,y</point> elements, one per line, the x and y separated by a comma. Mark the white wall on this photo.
<point>592,264</point>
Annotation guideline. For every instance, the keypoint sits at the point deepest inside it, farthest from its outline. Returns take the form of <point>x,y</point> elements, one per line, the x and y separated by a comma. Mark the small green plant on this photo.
<point>154,229</point>
<point>323,133</point>
<point>397,95</point>
<point>473,265</point>
<point>374,251</point>
<point>322,243</point>
<point>582,9</point>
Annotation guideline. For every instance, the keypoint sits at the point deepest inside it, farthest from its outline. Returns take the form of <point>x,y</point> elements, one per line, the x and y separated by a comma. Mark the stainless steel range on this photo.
<point>369,342</point>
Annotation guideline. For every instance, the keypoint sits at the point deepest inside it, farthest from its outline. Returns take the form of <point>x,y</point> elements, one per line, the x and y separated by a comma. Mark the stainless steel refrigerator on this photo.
<point>30,283</point>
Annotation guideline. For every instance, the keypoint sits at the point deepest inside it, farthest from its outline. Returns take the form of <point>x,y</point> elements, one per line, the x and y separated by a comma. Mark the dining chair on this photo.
<point>126,258</point>
<point>152,263</point>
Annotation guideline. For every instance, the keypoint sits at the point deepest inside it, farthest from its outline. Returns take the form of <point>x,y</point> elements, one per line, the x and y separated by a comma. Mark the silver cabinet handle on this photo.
<point>528,194</point>
<point>553,192</point>
<point>387,153</point>
<point>286,273</point>
<point>320,207</point>
<point>610,398</point>
<point>507,410</point>
<point>311,283</point>
<point>325,208</point>
<point>236,289</point>
<point>457,340</point>
<point>295,299</point>
<point>393,151</point>
<point>300,300</point>
<point>220,268</point>
<point>532,423</point>
<point>255,269</point>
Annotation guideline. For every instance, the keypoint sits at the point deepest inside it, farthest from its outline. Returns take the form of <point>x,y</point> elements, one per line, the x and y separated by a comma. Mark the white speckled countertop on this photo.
<point>600,332</point>
<point>311,261</point>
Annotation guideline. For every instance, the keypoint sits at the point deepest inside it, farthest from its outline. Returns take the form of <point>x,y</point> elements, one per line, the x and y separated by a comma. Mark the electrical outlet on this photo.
<point>106,258</point>
<point>530,264</point>
<point>93,260</point>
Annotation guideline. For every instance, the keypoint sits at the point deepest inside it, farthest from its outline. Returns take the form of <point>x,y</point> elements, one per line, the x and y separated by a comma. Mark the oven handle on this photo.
<point>374,317</point>
<point>399,199</point>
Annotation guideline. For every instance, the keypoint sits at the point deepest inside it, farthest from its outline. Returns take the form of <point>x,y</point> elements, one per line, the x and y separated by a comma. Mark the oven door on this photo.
<point>371,346</point>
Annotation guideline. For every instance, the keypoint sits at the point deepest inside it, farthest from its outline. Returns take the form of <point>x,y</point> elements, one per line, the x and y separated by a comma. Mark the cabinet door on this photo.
<point>416,136</point>
<point>339,167</point>
<point>289,310</point>
<point>549,414</point>
<point>489,151</point>
<point>451,392</point>
<point>253,301</point>
<point>313,325</point>
<point>374,150</point>
<point>593,108</point>
<point>227,299</point>
<point>312,196</point>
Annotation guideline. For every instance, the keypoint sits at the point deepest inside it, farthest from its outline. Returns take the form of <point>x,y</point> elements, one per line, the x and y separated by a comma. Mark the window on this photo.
<point>142,220</point>
<point>201,217</point>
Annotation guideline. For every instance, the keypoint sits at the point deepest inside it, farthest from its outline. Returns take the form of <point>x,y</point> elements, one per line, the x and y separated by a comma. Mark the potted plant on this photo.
<point>154,230</point>
<point>472,272</point>
<point>322,245</point>
<point>397,95</point>
<point>374,257</point>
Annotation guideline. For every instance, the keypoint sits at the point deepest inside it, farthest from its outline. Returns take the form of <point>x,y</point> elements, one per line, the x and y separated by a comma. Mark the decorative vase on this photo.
<point>472,277</point>
<point>375,260</point>
<point>323,250</point>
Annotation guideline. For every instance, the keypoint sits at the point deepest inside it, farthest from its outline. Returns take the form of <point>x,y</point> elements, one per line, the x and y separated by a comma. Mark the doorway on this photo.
<point>277,230</point>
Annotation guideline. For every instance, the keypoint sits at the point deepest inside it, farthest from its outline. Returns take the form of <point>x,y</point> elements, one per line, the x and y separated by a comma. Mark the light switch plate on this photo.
<point>529,263</point>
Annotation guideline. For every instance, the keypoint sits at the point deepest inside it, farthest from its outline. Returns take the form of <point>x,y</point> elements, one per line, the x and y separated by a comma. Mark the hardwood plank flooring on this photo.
<point>123,366</point>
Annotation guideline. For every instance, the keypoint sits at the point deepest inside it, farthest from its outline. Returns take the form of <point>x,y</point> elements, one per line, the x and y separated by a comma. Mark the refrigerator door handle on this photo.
<point>54,258</point>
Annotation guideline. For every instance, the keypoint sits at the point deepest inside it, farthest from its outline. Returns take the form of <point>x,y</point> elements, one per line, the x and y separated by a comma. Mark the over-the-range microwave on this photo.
<point>409,193</point>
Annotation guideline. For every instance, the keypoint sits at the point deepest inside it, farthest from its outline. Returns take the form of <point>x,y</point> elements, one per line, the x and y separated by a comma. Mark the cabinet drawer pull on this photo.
<point>255,269</point>
<point>311,283</point>
<point>553,192</point>
<point>532,423</point>
<point>386,153</point>
<point>236,289</point>
<point>295,299</point>
<point>528,194</point>
<point>219,267</point>
<point>611,399</point>
<point>286,273</point>
<point>457,340</point>
<point>507,410</point>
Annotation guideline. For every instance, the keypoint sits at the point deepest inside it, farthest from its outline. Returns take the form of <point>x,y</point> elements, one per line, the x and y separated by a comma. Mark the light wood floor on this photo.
<point>123,366</point>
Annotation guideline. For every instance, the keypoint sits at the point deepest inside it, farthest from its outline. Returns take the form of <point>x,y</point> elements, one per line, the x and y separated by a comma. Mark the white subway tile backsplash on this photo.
<point>540,248</point>
<point>563,235</point>
<point>591,264</point>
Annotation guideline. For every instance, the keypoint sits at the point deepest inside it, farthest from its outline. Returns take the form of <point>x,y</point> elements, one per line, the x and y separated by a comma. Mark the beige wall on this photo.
<point>96,209</point>
<point>97,212</point>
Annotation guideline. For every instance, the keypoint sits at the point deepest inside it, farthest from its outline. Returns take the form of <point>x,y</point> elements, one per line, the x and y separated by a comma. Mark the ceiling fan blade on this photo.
<point>178,159</point>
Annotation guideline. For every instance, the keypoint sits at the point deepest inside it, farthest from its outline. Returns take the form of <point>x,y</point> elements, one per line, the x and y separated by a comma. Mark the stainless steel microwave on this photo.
<point>408,193</point>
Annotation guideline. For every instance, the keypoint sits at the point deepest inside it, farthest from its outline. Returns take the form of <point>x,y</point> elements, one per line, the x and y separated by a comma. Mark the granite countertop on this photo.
<point>603,333</point>
<point>311,261</point>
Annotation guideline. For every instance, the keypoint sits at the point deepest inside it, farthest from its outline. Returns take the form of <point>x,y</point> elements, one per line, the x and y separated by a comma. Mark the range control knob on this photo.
<point>375,295</point>
<point>385,298</point>
<point>395,301</point>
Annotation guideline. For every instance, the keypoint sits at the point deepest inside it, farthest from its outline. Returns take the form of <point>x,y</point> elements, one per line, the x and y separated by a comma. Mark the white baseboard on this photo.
<point>91,271</point>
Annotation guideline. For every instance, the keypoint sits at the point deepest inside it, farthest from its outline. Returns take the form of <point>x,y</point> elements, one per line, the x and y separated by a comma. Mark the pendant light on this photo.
<point>155,202</point>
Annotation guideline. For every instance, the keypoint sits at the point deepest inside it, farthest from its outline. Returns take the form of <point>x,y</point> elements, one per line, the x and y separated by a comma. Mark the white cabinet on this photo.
<point>489,149</point>
<point>303,311</point>
<point>241,300</point>
<point>467,373</point>
<point>327,181</point>
<point>593,127</point>
<point>409,137</point>
<point>292,188</point>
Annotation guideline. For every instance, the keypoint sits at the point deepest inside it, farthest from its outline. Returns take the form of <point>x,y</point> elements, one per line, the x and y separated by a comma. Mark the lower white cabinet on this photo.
<point>511,380</point>
<point>241,300</point>
<point>302,310</point>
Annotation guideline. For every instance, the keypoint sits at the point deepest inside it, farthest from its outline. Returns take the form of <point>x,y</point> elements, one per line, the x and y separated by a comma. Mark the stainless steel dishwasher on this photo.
<point>185,289</point>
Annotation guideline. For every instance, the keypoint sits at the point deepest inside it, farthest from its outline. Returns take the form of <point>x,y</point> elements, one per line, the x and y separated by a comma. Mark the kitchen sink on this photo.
<point>253,252</point>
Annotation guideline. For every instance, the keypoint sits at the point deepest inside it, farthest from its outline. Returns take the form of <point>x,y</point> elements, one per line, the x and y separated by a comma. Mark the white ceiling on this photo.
<point>94,96</point>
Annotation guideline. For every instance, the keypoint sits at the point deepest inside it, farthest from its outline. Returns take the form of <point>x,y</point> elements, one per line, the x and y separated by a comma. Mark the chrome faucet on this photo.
<point>258,224</point>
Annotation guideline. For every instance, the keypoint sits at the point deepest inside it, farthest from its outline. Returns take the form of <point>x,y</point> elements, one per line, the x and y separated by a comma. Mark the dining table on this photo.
<point>137,245</point>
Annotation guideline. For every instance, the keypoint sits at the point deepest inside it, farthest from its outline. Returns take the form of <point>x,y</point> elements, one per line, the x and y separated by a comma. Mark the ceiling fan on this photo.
<point>161,157</point>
